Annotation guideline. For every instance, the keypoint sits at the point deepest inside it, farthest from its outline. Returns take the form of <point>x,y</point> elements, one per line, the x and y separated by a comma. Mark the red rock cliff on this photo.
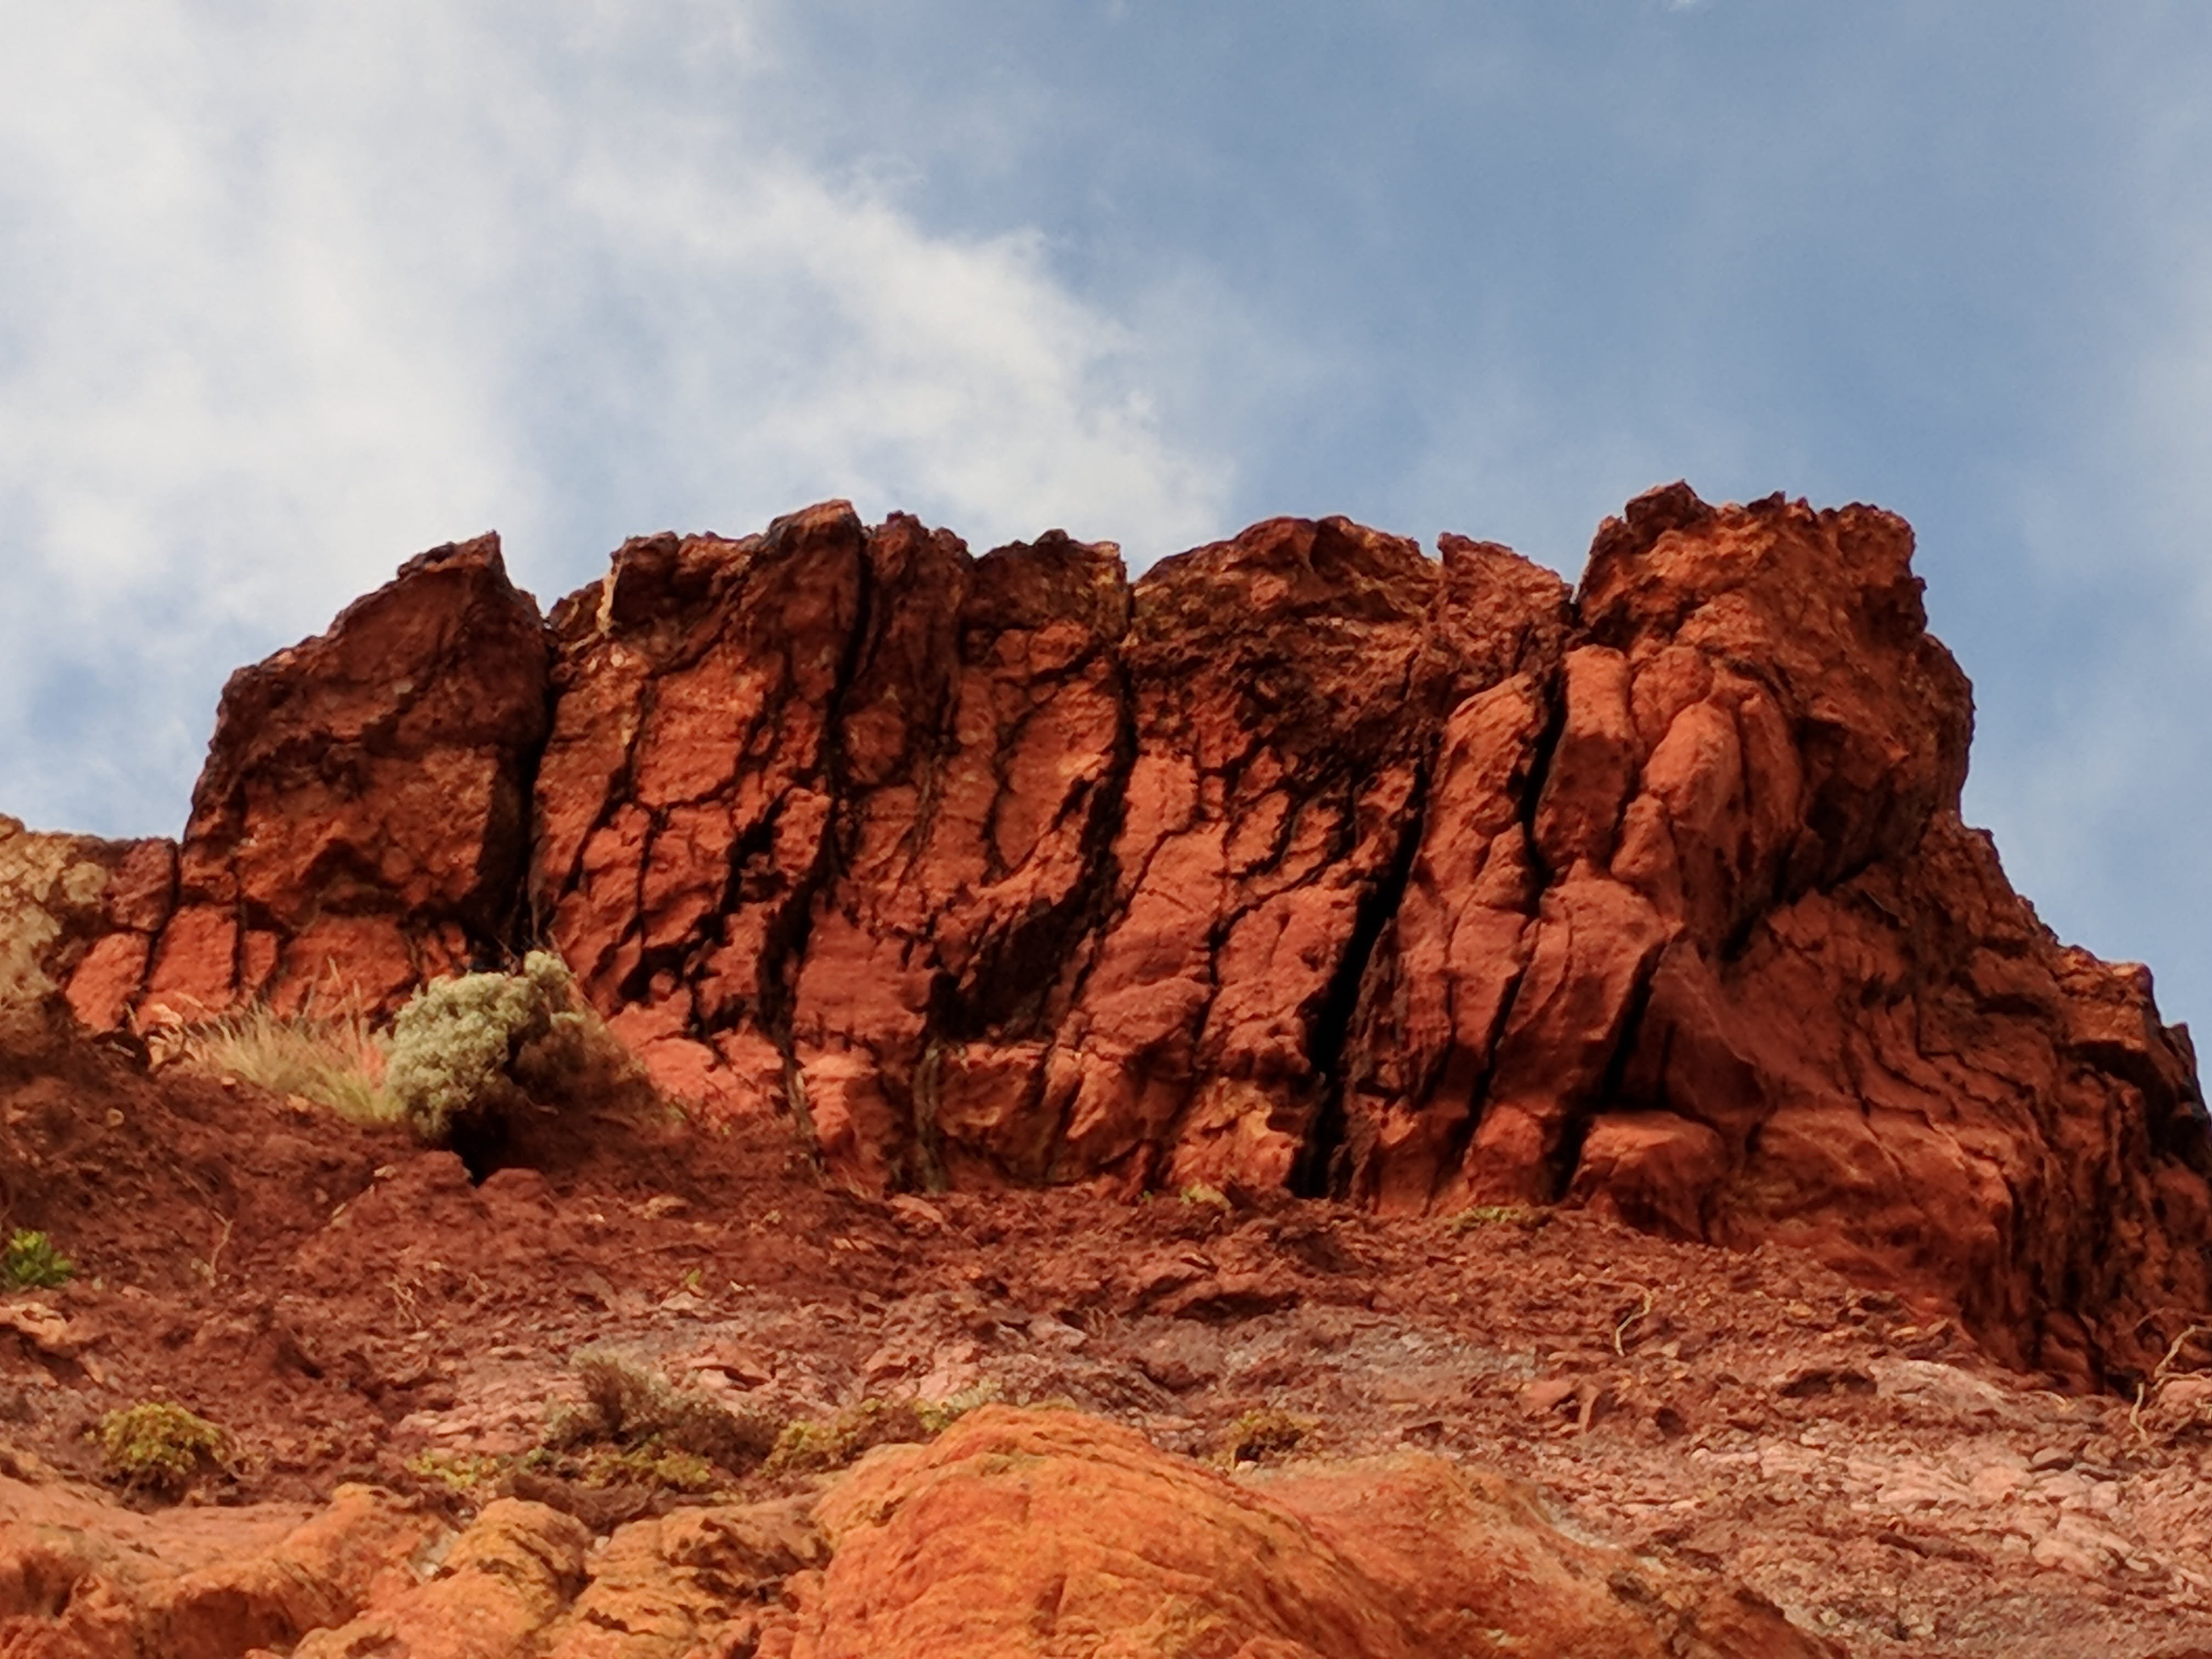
<point>1304,861</point>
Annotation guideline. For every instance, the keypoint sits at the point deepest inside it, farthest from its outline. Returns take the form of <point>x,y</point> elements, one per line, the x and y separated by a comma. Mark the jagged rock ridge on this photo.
<point>1302,862</point>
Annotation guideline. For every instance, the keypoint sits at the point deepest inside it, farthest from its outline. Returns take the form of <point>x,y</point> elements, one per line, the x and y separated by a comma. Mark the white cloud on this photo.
<point>294,292</point>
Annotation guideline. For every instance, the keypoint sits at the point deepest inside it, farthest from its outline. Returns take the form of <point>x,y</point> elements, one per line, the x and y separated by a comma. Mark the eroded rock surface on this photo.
<point>1304,861</point>
<point>362,821</point>
<point>1019,1534</point>
<point>346,1307</point>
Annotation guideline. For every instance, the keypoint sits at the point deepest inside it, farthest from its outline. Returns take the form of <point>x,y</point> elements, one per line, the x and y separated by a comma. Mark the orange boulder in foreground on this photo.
<point>1304,861</point>
<point>1025,1534</point>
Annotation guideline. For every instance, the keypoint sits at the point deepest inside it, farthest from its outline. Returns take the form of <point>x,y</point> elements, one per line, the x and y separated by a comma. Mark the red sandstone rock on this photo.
<point>84,1579</point>
<point>77,918</point>
<point>1024,1534</point>
<point>361,823</point>
<point>1016,1536</point>
<point>1306,861</point>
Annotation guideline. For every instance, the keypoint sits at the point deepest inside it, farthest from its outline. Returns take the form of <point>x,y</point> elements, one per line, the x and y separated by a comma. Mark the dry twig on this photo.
<point>1620,1330</point>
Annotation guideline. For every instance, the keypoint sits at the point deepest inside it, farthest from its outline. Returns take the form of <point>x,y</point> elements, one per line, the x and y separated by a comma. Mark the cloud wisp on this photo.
<point>304,292</point>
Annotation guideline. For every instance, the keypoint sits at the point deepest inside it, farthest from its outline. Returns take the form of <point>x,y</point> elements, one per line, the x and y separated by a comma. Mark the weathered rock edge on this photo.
<point>1304,861</point>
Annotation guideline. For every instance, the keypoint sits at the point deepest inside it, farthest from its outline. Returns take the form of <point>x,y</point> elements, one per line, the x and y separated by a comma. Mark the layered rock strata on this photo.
<point>1304,861</point>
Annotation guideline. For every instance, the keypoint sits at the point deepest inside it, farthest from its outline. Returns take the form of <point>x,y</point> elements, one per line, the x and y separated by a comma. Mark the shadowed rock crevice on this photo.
<point>1324,1168</point>
<point>1306,862</point>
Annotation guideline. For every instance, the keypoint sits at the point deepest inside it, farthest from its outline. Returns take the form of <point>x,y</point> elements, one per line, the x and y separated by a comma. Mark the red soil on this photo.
<point>340,1303</point>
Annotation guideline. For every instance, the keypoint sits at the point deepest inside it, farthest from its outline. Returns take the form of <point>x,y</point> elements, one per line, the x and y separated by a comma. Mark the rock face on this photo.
<point>361,824</point>
<point>1303,861</point>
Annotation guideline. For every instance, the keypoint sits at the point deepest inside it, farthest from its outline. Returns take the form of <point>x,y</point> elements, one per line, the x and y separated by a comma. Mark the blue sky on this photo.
<point>288,292</point>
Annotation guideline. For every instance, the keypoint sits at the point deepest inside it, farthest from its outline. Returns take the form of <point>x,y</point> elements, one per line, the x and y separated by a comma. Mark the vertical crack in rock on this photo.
<point>783,948</point>
<point>1554,703</point>
<point>525,928</point>
<point>1321,1170</point>
<point>1542,880</point>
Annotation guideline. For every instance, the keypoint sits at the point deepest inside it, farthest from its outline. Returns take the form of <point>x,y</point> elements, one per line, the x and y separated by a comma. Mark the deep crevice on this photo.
<point>523,928</point>
<point>784,945</point>
<point>1316,1172</point>
<point>1540,757</point>
<point>1576,1130</point>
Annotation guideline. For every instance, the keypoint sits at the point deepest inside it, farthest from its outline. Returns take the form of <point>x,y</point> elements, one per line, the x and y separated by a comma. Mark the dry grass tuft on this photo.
<point>1263,1436</point>
<point>659,1433</point>
<point>334,1059</point>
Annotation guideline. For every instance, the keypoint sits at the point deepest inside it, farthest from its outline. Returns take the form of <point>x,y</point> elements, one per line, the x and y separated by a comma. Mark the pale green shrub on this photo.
<point>486,1046</point>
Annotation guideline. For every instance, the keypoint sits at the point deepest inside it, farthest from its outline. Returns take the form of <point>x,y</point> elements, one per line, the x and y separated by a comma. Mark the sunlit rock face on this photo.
<point>1305,862</point>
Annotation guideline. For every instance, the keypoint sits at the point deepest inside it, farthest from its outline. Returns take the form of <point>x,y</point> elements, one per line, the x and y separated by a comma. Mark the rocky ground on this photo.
<point>351,1309</point>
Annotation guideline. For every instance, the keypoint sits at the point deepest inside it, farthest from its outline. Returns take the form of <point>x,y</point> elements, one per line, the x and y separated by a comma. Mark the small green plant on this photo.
<point>30,1260</point>
<point>486,1046</point>
<point>832,1441</point>
<point>1498,1215</point>
<point>939,1415</point>
<point>663,1467</point>
<point>462,1473</point>
<point>1264,1433</point>
<point>159,1448</point>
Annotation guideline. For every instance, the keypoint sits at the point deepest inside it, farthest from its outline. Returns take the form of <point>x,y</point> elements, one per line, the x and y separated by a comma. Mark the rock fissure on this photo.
<point>1321,1170</point>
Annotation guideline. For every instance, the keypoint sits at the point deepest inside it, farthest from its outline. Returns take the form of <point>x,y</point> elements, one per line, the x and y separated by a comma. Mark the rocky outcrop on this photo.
<point>81,1579</point>
<point>1699,938</point>
<point>1303,861</point>
<point>79,912</point>
<point>939,1551</point>
<point>361,824</point>
<point>1019,1533</point>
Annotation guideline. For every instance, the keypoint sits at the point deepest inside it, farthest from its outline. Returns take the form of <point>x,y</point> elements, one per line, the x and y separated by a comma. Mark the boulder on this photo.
<point>1022,1534</point>
<point>81,1579</point>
